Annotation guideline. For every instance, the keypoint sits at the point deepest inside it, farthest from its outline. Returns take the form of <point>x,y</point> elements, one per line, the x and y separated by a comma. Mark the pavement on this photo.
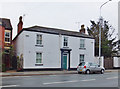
<point>31,73</point>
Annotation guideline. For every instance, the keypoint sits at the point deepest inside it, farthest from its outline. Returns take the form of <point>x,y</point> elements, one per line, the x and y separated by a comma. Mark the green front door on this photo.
<point>65,62</point>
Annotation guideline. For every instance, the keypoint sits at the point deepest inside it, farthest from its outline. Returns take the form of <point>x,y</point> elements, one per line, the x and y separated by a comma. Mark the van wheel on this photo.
<point>87,71</point>
<point>102,71</point>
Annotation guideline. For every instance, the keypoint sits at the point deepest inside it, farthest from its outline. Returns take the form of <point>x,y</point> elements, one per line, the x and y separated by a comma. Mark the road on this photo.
<point>109,79</point>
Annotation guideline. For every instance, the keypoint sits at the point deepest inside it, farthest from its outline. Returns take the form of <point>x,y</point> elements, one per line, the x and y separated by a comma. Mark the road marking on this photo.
<point>68,81</point>
<point>63,75</point>
<point>10,86</point>
<point>112,78</point>
<point>107,73</point>
<point>60,82</point>
<point>89,80</point>
<point>53,75</point>
<point>16,77</point>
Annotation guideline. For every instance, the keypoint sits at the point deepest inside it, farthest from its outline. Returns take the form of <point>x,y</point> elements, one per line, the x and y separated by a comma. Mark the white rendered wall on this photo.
<point>50,50</point>
<point>74,44</point>
<point>116,61</point>
<point>51,53</point>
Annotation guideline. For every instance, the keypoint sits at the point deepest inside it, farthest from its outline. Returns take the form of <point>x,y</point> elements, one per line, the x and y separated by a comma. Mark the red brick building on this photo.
<point>5,38</point>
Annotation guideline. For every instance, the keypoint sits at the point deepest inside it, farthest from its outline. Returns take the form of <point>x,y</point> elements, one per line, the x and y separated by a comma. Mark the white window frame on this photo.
<point>40,39</point>
<point>82,43</point>
<point>39,58</point>
<point>7,37</point>
<point>82,60</point>
<point>65,42</point>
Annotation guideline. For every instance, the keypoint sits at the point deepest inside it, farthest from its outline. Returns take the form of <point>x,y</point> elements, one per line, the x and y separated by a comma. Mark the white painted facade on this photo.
<point>116,62</point>
<point>25,43</point>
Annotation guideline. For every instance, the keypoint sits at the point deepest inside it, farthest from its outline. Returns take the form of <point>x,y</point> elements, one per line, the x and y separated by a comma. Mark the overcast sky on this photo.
<point>58,13</point>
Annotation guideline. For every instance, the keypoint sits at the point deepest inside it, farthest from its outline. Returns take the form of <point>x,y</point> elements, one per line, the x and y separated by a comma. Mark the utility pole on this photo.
<point>100,25</point>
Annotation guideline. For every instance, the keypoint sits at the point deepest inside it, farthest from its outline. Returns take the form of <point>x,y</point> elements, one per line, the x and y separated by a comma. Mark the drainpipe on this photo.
<point>60,48</point>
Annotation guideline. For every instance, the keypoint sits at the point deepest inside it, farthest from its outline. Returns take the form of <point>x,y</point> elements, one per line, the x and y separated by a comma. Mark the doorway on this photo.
<point>64,66</point>
<point>65,59</point>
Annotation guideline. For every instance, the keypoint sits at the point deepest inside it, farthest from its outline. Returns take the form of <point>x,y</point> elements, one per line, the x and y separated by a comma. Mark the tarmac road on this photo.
<point>109,79</point>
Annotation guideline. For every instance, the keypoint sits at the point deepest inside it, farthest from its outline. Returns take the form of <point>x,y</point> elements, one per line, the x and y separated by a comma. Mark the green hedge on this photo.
<point>3,68</point>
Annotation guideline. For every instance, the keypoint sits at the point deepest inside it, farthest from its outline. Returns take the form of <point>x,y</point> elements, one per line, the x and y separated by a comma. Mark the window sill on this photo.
<point>38,64</point>
<point>7,42</point>
<point>39,45</point>
<point>83,48</point>
<point>65,47</point>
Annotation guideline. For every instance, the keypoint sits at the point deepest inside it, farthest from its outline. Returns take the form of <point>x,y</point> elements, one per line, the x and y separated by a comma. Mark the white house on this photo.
<point>50,48</point>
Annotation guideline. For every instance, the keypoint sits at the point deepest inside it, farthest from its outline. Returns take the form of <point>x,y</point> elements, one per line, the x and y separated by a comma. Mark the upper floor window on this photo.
<point>7,36</point>
<point>65,43</point>
<point>82,43</point>
<point>39,39</point>
<point>81,58</point>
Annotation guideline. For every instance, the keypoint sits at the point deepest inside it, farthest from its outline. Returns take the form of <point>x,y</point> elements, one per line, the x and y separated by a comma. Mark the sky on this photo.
<point>62,14</point>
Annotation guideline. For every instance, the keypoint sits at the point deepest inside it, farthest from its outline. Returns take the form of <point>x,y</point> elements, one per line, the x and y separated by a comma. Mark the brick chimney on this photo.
<point>82,30</point>
<point>20,24</point>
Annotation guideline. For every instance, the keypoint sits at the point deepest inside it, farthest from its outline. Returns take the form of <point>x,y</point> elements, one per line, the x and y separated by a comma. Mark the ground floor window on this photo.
<point>6,51</point>
<point>81,58</point>
<point>38,57</point>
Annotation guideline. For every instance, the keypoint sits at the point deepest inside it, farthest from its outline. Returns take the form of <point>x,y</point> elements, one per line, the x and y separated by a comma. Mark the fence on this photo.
<point>108,63</point>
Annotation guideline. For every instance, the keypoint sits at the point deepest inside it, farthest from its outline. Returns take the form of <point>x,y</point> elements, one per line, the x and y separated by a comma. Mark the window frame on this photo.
<point>65,41</point>
<point>82,43</point>
<point>40,59</point>
<point>39,39</point>
<point>7,37</point>
<point>81,60</point>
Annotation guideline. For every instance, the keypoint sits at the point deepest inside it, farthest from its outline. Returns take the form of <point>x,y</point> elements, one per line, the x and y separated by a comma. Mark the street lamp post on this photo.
<point>100,24</point>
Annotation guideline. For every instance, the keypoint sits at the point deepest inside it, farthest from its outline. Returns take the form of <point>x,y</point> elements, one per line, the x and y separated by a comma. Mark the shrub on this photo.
<point>3,68</point>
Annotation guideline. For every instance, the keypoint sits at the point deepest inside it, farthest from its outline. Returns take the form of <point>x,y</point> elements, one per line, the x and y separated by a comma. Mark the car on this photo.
<point>89,67</point>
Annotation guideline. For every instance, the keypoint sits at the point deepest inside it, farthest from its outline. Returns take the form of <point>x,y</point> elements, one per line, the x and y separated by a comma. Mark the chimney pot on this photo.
<point>82,30</point>
<point>20,24</point>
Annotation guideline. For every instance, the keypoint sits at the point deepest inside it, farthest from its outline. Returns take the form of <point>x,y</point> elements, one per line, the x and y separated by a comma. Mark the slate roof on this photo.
<point>6,23</point>
<point>56,31</point>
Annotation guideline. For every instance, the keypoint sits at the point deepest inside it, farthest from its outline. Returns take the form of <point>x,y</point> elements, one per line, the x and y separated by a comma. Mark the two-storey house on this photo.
<point>51,48</point>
